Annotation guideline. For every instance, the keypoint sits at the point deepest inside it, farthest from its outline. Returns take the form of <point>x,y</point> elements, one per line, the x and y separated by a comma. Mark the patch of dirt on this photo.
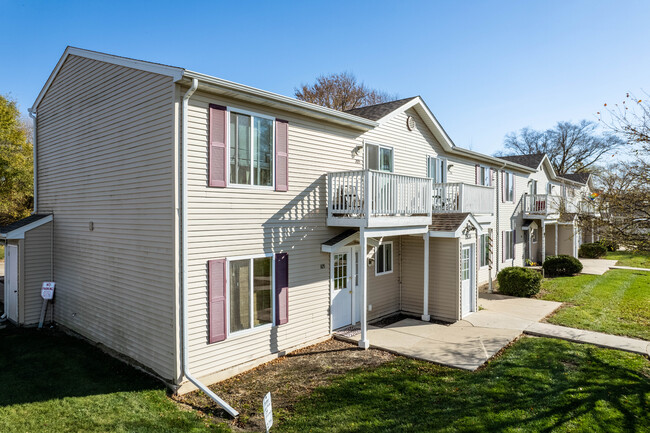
<point>288,379</point>
<point>390,320</point>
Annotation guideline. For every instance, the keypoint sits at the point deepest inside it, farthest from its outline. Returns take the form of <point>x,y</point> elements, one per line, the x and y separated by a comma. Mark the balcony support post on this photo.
<point>364,343</point>
<point>543,241</point>
<point>425,308</point>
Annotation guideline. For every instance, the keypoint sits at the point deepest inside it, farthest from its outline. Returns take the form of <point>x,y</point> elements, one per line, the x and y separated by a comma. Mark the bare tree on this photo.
<point>625,200</point>
<point>571,147</point>
<point>341,92</point>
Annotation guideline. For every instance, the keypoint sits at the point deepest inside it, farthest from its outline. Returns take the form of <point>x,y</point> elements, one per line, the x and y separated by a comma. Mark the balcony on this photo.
<point>541,204</point>
<point>462,197</point>
<point>368,198</point>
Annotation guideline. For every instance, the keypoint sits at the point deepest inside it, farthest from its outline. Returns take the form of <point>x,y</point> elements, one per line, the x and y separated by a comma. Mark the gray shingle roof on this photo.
<point>376,112</point>
<point>531,160</point>
<point>21,223</point>
<point>447,222</point>
<point>338,238</point>
<point>577,177</point>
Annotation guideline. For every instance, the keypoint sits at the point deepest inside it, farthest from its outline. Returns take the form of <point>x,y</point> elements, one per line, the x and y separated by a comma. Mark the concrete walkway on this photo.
<point>596,266</point>
<point>633,345</point>
<point>469,343</point>
<point>630,268</point>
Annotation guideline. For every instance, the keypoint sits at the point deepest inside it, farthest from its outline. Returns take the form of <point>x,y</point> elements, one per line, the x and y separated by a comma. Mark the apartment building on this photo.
<point>201,227</point>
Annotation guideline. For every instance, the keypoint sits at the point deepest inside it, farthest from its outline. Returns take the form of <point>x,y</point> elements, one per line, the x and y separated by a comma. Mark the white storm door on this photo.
<point>467,270</point>
<point>11,282</point>
<point>356,288</point>
<point>341,288</point>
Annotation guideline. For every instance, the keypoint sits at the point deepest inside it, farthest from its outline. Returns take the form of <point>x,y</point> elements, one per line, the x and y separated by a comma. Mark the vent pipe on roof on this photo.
<point>184,264</point>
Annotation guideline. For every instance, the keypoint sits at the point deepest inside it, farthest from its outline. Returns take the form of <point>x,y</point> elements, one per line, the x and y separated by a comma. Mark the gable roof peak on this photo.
<point>378,111</point>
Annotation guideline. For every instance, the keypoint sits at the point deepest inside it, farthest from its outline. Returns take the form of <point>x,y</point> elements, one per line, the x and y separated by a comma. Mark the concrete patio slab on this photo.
<point>633,345</point>
<point>596,266</point>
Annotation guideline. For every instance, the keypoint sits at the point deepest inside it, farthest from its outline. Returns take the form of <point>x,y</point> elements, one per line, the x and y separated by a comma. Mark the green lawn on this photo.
<point>617,302</point>
<point>55,383</point>
<point>536,385</point>
<point>626,258</point>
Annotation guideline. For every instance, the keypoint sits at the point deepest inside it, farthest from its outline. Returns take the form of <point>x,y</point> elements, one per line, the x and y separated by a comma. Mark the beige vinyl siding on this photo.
<point>565,239</point>
<point>511,218</point>
<point>236,221</point>
<point>550,240</point>
<point>444,277</point>
<point>106,156</point>
<point>37,269</point>
<point>383,290</point>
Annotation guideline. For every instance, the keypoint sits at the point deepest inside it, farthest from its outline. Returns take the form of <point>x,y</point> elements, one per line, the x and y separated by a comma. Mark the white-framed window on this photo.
<point>549,188</point>
<point>485,250</point>
<point>251,149</point>
<point>509,186</point>
<point>379,157</point>
<point>508,245</point>
<point>533,187</point>
<point>437,169</point>
<point>484,176</point>
<point>384,258</point>
<point>250,292</point>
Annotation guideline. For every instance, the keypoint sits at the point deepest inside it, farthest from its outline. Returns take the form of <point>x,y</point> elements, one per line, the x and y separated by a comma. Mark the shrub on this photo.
<point>516,281</point>
<point>609,245</point>
<point>562,265</point>
<point>592,250</point>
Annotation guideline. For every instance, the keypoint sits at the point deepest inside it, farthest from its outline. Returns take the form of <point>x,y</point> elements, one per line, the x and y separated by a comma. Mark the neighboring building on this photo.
<point>201,224</point>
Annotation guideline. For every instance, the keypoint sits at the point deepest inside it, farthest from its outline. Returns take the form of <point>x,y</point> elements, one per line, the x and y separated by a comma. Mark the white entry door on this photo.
<point>11,282</point>
<point>345,279</point>
<point>468,287</point>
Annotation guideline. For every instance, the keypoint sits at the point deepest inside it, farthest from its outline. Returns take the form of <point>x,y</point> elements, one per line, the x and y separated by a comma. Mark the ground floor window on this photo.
<point>508,245</point>
<point>485,249</point>
<point>384,259</point>
<point>250,293</point>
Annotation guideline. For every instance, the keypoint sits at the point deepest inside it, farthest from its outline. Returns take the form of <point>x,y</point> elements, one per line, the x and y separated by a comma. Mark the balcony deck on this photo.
<point>462,197</point>
<point>369,198</point>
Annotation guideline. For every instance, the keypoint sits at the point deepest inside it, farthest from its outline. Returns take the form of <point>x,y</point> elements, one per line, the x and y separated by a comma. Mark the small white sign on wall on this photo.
<point>268,411</point>
<point>47,290</point>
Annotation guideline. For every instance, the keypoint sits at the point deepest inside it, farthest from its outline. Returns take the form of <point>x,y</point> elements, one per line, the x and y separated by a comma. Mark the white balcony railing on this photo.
<point>542,204</point>
<point>462,197</point>
<point>367,194</point>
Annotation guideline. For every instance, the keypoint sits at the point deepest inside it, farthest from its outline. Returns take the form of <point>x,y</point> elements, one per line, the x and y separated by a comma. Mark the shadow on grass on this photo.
<point>537,385</point>
<point>44,365</point>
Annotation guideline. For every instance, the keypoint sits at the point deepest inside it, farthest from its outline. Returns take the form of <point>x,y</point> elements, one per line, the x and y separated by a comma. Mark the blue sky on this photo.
<point>485,68</point>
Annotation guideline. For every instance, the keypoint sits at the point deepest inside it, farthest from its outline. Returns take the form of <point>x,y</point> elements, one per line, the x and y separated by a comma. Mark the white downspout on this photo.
<point>32,114</point>
<point>184,249</point>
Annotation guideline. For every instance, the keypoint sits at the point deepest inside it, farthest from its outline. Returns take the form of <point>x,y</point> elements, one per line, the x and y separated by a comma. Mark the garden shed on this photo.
<point>28,263</point>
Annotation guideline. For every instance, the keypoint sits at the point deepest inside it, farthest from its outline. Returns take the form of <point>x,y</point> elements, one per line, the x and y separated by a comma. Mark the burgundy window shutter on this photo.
<point>477,173</point>
<point>281,155</point>
<point>217,299</point>
<point>281,288</point>
<point>217,156</point>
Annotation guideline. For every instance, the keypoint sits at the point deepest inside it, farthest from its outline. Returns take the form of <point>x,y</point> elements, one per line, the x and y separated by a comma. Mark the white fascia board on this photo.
<point>443,235</point>
<point>395,231</point>
<point>19,233</point>
<point>241,91</point>
<point>174,72</point>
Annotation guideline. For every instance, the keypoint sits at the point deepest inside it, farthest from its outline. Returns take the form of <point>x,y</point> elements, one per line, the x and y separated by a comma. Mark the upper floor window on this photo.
<point>509,186</point>
<point>533,187</point>
<point>251,149</point>
<point>379,157</point>
<point>483,175</point>
<point>437,169</point>
<point>549,188</point>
